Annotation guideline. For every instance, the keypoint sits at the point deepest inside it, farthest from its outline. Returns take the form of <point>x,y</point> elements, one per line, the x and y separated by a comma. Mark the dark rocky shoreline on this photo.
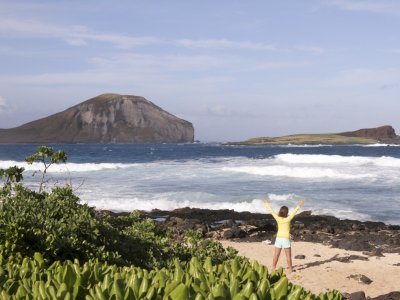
<point>373,238</point>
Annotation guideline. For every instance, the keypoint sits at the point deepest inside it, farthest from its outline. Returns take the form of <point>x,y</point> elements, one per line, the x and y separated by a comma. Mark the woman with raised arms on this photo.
<point>283,235</point>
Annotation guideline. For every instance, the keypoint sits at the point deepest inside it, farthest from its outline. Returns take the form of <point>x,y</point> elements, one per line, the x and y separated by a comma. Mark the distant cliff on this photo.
<point>383,134</point>
<point>108,118</point>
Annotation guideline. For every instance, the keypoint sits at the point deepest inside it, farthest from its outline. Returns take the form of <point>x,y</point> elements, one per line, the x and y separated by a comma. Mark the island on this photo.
<point>379,135</point>
<point>107,118</point>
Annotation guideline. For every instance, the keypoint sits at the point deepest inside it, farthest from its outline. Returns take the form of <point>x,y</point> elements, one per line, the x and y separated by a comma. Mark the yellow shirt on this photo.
<point>283,223</point>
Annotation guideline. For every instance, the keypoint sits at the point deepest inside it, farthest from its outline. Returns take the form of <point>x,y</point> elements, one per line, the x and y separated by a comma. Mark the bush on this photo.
<point>58,226</point>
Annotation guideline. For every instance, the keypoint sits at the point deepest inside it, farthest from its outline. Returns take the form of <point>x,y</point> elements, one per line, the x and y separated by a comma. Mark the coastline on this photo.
<point>354,235</point>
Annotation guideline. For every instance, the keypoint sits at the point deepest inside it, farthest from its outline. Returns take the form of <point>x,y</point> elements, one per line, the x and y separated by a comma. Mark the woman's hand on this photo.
<point>301,202</point>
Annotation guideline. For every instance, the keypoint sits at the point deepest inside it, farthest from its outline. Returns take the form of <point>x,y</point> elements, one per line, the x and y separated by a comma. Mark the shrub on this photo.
<point>60,227</point>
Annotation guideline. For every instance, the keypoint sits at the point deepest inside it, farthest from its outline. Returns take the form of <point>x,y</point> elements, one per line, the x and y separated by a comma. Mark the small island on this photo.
<point>104,119</point>
<point>379,135</point>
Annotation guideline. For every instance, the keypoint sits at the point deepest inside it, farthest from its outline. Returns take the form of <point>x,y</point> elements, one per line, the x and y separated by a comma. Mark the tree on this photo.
<point>47,156</point>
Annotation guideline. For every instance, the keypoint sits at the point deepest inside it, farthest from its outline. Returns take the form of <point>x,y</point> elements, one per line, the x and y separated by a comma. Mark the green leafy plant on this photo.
<point>47,156</point>
<point>34,278</point>
<point>197,246</point>
<point>10,177</point>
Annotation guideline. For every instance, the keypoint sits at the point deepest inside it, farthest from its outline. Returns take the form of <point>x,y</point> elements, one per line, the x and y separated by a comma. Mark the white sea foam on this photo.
<point>381,145</point>
<point>384,161</point>
<point>174,200</point>
<point>297,172</point>
<point>305,146</point>
<point>283,197</point>
<point>68,167</point>
<point>254,206</point>
<point>342,214</point>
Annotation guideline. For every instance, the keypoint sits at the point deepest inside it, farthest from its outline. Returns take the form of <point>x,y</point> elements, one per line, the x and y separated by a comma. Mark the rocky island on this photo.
<point>107,118</point>
<point>384,135</point>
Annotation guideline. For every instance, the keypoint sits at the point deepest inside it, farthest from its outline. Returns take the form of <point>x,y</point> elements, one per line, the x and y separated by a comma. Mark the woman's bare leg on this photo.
<point>288,253</point>
<point>276,257</point>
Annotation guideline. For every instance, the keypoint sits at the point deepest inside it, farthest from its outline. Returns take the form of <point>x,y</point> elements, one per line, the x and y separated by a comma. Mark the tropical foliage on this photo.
<point>234,279</point>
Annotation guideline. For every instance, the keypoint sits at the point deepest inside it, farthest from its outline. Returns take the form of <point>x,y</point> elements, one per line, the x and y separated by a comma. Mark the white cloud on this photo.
<point>395,51</point>
<point>364,77</point>
<point>3,104</point>
<point>388,86</point>
<point>170,62</point>
<point>73,35</point>
<point>280,65</point>
<point>375,6</point>
<point>128,67</point>
<point>220,110</point>
<point>77,35</point>
<point>224,44</point>
<point>312,49</point>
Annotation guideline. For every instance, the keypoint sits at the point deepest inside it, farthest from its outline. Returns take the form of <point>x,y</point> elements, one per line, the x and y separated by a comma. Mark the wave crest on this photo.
<point>68,167</point>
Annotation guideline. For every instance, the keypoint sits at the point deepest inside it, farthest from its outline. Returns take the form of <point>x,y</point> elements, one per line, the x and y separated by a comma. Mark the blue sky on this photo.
<point>235,69</point>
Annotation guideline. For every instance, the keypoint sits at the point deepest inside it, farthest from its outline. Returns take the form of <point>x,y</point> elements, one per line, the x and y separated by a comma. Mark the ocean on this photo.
<point>349,182</point>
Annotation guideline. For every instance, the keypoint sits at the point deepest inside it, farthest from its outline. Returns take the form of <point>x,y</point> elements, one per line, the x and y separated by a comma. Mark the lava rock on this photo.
<point>361,278</point>
<point>389,296</point>
<point>234,233</point>
<point>355,296</point>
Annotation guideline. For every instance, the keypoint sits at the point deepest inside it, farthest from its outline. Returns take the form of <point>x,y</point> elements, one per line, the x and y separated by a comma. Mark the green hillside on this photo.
<point>311,139</point>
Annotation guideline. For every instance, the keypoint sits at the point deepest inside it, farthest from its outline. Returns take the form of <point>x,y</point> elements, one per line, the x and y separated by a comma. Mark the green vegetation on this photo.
<point>47,156</point>
<point>234,279</point>
<point>58,226</point>
<point>309,139</point>
<point>54,247</point>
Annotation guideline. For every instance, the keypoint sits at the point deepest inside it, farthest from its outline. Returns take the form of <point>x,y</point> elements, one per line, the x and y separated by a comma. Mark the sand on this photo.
<point>329,275</point>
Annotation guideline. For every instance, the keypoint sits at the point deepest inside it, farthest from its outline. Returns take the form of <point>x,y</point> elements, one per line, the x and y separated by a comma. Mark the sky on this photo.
<point>235,69</point>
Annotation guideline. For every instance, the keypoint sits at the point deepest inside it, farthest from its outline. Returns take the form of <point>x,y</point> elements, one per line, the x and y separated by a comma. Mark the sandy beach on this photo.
<point>325,268</point>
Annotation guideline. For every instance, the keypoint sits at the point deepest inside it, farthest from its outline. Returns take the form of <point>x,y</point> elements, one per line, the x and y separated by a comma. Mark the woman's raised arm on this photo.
<point>266,203</point>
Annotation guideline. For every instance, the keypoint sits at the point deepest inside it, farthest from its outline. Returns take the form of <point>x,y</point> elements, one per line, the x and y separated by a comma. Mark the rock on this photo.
<point>373,238</point>
<point>305,213</point>
<point>317,255</point>
<point>181,225</point>
<point>355,296</point>
<point>329,229</point>
<point>353,243</point>
<point>234,233</point>
<point>389,296</point>
<point>229,224</point>
<point>347,259</point>
<point>376,252</point>
<point>379,133</point>
<point>300,256</point>
<point>360,278</point>
<point>108,118</point>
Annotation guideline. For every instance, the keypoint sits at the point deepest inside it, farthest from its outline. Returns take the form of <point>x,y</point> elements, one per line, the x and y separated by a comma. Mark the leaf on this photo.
<point>180,292</point>
<point>281,287</point>
<point>38,258</point>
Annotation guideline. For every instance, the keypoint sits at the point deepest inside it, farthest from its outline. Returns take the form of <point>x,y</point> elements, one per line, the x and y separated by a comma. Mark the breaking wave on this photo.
<point>68,167</point>
<point>383,161</point>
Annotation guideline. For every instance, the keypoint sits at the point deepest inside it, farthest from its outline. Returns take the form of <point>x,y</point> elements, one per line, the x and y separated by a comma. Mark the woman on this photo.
<point>283,235</point>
